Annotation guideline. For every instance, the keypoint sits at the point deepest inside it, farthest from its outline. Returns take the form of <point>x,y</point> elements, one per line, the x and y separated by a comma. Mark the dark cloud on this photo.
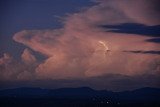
<point>144,52</point>
<point>154,40</point>
<point>134,28</point>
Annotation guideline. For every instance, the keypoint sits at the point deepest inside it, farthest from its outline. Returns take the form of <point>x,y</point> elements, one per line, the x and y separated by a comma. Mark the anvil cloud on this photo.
<point>78,50</point>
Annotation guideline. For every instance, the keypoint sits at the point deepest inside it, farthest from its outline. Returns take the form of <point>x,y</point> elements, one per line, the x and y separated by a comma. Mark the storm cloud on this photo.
<point>82,49</point>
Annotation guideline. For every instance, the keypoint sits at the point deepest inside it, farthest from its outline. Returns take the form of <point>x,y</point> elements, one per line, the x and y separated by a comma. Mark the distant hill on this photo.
<point>83,95</point>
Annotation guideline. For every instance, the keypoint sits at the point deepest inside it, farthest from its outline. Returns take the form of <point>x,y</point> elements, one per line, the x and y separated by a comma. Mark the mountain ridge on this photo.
<point>22,91</point>
<point>79,97</point>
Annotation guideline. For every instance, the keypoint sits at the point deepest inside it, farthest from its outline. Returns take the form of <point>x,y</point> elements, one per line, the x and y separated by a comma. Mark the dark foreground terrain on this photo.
<point>78,97</point>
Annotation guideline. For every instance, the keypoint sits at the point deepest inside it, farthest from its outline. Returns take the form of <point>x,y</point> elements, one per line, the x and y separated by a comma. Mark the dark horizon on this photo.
<point>79,97</point>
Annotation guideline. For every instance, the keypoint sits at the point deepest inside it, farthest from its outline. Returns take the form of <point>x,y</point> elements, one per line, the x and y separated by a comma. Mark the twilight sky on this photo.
<point>102,44</point>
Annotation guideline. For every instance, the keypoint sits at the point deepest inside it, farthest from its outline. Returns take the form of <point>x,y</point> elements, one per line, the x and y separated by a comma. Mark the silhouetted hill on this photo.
<point>79,96</point>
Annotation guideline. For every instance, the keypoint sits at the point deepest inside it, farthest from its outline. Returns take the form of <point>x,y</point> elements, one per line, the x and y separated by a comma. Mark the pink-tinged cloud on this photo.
<point>83,49</point>
<point>28,57</point>
<point>5,59</point>
<point>139,11</point>
<point>11,69</point>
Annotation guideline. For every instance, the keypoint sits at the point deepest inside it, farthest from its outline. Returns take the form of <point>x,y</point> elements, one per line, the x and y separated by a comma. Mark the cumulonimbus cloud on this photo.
<point>12,69</point>
<point>82,49</point>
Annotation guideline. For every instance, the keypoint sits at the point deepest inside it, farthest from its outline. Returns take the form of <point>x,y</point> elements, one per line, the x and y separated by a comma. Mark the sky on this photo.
<point>102,44</point>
